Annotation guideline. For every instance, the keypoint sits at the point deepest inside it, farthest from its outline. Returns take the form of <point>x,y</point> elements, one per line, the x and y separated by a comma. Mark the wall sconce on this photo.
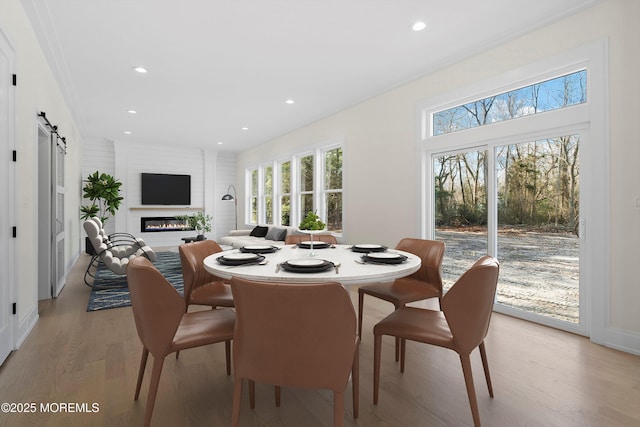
<point>233,197</point>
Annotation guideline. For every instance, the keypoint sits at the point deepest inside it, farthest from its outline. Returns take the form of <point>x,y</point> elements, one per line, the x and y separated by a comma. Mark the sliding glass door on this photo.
<point>520,203</point>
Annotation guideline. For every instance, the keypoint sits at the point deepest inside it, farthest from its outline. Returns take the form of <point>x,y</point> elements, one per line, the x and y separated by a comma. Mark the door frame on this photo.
<point>590,120</point>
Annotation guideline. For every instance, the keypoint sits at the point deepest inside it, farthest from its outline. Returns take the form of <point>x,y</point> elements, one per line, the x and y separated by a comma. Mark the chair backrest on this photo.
<point>469,303</point>
<point>297,335</point>
<point>157,306</point>
<point>192,256</point>
<point>294,239</point>
<point>96,238</point>
<point>431,253</point>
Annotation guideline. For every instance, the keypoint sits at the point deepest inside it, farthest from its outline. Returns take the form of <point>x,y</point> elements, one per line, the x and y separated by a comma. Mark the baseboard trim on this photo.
<point>623,340</point>
<point>26,326</point>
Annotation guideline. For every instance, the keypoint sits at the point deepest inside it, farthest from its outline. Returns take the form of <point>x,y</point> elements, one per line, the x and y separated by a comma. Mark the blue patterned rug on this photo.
<point>111,291</point>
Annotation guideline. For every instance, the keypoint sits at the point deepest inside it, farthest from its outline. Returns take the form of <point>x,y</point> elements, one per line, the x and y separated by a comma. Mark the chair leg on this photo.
<point>143,365</point>
<point>397,349</point>
<point>252,394</point>
<point>485,365</point>
<point>227,350</point>
<point>153,389</point>
<point>278,394</point>
<point>237,397</point>
<point>355,381</point>
<point>360,309</point>
<point>471,392</point>
<point>377,346</point>
<point>338,408</point>
<point>403,351</point>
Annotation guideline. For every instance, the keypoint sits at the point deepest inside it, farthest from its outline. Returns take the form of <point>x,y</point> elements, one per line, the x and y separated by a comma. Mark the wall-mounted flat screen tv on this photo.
<point>166,189</point>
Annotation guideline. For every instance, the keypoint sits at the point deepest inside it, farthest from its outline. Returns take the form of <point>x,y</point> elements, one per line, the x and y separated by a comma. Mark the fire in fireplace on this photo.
<point>163,223</point>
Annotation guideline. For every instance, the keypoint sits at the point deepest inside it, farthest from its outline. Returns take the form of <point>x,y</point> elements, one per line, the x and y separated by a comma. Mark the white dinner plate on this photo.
<point>383,255</point>
<point>258,247</point>
<point>306,262</point>
<point>368,246</point>
<point>240,256</point>
<point>315,243</point>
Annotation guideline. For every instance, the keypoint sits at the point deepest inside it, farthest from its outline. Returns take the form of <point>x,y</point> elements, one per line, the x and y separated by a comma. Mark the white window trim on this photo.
<point>317,150</point>
<point>591,119</point>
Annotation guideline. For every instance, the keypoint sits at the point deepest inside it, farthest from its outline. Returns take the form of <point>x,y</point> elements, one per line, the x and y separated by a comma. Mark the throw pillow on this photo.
<point>259,231</point>
<point>276,234</point>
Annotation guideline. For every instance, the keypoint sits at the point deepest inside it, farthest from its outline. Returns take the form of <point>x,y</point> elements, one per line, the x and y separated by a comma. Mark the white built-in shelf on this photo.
<point>165,208</point>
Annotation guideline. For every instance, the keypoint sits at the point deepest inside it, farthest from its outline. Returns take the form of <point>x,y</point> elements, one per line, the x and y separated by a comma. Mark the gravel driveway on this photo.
<point>538,271</point>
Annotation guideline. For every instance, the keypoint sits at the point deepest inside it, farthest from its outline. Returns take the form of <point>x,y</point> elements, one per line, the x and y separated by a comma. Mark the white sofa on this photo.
<point>240,238</point>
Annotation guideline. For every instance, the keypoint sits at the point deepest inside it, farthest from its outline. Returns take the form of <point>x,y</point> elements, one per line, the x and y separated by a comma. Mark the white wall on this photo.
<point>381,172</point>
<point>36,91</point>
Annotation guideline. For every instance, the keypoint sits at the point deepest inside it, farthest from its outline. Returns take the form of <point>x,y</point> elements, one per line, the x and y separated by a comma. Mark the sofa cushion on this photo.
<point>277,234</point>
<point>259,231</point>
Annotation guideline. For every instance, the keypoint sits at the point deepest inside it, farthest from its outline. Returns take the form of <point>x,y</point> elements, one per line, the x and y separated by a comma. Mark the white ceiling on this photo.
<point>216,66</point>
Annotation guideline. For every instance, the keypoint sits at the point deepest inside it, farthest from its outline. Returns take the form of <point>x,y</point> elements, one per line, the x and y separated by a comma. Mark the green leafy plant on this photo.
<point>198,221</point>
<point>103,191</point>
<point>312,222</point>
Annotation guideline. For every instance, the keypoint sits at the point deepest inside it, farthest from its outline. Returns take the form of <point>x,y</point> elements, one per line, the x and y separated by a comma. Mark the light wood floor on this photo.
<point>541,377</point>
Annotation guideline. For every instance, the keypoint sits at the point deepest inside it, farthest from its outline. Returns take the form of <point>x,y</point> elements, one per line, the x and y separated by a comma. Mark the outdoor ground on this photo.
<point>538,271</point>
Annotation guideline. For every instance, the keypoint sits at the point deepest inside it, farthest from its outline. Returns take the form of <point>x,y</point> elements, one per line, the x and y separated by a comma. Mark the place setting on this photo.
<point>307,265</point>
<point>315,244</point>
<point>241,258</point>
<point>259,249</point>
<point>368,248</point>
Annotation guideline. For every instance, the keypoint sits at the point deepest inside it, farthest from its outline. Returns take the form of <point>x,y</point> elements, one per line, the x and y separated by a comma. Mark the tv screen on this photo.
<point>166,189</point>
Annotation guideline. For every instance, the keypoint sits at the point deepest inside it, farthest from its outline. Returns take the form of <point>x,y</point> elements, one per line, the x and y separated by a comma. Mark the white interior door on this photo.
<point>7,216</point>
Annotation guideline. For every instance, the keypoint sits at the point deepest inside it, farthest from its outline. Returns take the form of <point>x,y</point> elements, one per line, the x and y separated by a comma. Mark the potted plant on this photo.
<point>199,222</point>
<point>103,191</point>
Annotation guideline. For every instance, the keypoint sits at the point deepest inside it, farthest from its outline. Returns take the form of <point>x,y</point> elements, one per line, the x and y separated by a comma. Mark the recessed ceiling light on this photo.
<point>140,69</point>
<point>289,101</point>
<point>219,142</point>
<point>127,132</point>
<point>131,111</point>
<point>245,128</point>
<point>418,26</point>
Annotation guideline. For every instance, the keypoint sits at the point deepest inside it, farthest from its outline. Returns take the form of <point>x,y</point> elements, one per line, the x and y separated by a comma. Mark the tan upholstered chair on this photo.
<point>164,327</point>
<point>200,286</point>
<point>423,284</point>
<point>461,326</point>
<point>294,239</point>
<point>295,335</point>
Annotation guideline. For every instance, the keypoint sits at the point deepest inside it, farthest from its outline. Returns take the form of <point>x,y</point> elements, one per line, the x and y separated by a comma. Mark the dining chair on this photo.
<point>200,286</point>
<point>295,335</point>
<point>294,239</point>
<point>461,325</point>
<point>164,327</point>
<point>423,284</point>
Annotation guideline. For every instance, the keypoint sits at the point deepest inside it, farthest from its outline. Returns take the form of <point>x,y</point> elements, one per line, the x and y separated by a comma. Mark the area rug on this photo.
<point>111,291</point>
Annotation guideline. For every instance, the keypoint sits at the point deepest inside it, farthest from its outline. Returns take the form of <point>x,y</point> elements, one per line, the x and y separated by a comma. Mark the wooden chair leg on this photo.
<point>153,389</point>
<point>355,381</point>
<point>397,348</point>
<point>143,365</point>
<point>227,350</point>
<point>403,351</point>
<point>237,397</point>
<point>471,392</point>
<point>377,346</point>
<point>278,394</point>
<point>252,394</point>
<point>360,309</point>
<point>485,365</point>
<point>338,408</point>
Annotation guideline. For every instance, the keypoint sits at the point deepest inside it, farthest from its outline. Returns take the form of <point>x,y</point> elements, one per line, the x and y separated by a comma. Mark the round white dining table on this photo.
<point>351,269</point>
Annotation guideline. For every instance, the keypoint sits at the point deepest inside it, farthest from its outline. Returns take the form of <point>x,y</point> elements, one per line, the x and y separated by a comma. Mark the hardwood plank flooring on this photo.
<point>541,377</point>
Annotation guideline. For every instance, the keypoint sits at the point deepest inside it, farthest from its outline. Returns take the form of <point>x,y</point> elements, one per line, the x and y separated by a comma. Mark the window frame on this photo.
<point>318,152</point>
<point>589,119</point>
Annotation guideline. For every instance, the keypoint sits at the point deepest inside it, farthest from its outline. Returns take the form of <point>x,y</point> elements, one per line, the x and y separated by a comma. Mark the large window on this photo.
<point>283,192</point>
<point>525,182</point>
<point>333,189</point>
